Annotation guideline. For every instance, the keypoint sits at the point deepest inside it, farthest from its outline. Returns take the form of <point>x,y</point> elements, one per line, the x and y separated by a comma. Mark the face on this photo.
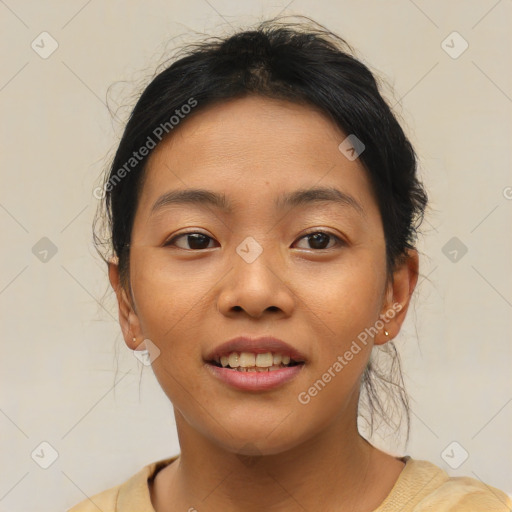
<point>309,272</point>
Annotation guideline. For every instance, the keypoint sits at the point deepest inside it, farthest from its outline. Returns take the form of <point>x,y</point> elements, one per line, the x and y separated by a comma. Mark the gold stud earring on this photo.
<point>385,332</point>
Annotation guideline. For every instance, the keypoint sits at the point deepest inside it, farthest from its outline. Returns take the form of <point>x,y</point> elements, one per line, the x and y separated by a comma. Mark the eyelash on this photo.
<point>339,241</point>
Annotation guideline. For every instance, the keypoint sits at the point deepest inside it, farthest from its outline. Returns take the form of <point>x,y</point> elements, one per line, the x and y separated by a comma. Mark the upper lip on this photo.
<point>260,345</point>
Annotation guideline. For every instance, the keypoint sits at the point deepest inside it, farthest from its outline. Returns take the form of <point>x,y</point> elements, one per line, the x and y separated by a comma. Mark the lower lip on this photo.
<point>255,381</point>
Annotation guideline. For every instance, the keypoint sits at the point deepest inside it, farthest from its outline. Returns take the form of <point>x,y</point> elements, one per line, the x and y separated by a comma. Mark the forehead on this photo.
<point>251,126</point>
<point>254,149</point>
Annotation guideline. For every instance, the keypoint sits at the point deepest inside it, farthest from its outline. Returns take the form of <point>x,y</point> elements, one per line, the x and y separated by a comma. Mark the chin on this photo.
<point>251,442</point>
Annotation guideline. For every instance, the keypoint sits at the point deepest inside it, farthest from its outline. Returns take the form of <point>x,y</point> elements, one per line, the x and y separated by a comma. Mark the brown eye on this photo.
<point>319,240</point>
<point>195,240</point>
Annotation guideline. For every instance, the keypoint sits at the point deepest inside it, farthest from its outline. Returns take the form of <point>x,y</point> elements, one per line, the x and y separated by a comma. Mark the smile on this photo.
<point>247,371</point>
<point>251,362</point>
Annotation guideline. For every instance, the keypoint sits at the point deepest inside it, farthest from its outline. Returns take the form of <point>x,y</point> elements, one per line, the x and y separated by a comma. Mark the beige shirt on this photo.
<point>421,487</point>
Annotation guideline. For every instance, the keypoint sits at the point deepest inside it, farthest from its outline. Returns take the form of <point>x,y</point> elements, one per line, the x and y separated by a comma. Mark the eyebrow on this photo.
<point>203,197</point>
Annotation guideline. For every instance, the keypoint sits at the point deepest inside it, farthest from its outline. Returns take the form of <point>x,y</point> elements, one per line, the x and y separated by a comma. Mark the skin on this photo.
<point>188,301</point>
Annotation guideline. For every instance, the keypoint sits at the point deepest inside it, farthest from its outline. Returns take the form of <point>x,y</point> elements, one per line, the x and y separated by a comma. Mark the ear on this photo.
<point>398,296</point>
<point>128,318</point>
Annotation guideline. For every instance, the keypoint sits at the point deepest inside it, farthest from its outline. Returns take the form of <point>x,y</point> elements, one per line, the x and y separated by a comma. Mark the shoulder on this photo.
<point>423,487</point>
<point>460,494</point>
<point>134,492</point>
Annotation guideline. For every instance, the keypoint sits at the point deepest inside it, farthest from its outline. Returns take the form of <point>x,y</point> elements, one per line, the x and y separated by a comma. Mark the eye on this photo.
<point>319,239</point>
<point>194,239</point>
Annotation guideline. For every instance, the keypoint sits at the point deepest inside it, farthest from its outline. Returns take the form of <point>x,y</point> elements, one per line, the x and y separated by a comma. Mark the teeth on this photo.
<point>233,359</point>
<point>264,360</point>
<point>248,361</point>
<point>258,370</point>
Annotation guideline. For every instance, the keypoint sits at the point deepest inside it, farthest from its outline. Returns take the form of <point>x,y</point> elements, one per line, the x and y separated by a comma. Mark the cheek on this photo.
<point>169,300</point>
<point>347,298</point>
<point>172,303</point>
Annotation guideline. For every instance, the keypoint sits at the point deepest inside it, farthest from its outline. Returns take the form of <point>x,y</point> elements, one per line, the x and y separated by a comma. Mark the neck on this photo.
<point>335,467</point>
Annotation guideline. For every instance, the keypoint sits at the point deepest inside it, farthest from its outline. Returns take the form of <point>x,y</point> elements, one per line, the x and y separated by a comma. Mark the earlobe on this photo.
<point>128,319</point>
<point>398,297</point>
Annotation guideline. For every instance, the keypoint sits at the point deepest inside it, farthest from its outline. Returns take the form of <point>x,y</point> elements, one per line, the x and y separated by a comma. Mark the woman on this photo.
<point>263,206</point>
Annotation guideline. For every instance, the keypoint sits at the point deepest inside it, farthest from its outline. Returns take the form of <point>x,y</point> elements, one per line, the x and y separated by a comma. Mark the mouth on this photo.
<point>254,362</point>
<point>255,379</point>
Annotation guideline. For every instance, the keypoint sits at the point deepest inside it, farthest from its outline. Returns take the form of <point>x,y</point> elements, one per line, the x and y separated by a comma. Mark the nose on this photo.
<point>256,288</point>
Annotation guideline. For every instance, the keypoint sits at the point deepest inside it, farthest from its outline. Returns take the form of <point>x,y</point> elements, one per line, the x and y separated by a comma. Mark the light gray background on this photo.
<point>67,377</point>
